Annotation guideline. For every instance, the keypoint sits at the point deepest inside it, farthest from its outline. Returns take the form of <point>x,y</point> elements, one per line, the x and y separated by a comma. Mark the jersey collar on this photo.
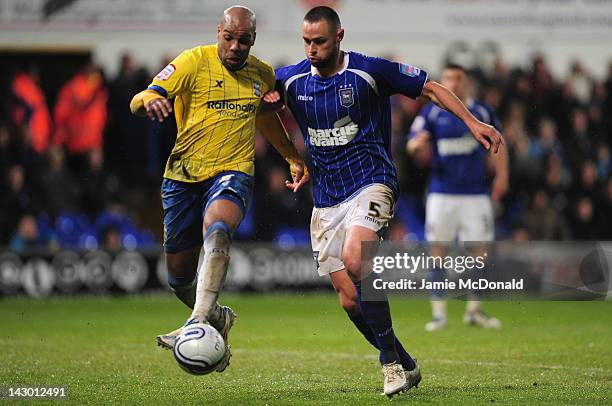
<point>315,72</point>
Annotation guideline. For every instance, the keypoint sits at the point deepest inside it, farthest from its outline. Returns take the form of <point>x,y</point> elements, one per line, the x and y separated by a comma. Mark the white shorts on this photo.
<point>372,208</point>
<point>463,217</point>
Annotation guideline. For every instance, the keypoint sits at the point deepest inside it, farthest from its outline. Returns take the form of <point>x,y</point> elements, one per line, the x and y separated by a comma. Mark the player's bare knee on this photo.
<point>352,263</point>
<point>224,211</point>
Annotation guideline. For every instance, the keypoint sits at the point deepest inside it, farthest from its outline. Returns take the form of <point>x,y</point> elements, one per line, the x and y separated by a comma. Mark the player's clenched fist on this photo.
<point>487,135</point>
<point>158,109</point>
<point>299,174</point>
<point>272,97</point>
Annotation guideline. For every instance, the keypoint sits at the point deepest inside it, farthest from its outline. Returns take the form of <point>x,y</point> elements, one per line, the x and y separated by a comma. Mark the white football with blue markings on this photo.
<point>199,349</point>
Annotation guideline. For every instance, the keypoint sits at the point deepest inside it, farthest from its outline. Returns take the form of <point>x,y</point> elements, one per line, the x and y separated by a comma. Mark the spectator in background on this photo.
<point>80,114</point>
<point>500,74</point>
<point>524,167</point>
<point>520,234</point>
<point>580,141</point>
<point>543,85</point>
<point>28,237</point>
<point>581,83</point>
<point>492,95</point>
<point>596,109</point>
<point>111,239</point>
<point>586,184</point>
<point>15,201</point>
<point>604,163</point>
<point>29,108</point>
<point>60,187</point>
<point>547,142</point>
<point>543,222</point>
<point>584,221</point>
<point>6,155</point>
<point>557,180</point>
<point>606,110</point>
<point>98,186</point>
<point>127,137</point>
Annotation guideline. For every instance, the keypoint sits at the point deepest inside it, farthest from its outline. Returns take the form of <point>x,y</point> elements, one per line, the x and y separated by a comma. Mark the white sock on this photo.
<point>438,309</point>
<point>211,277</point>
<point>472,306</point>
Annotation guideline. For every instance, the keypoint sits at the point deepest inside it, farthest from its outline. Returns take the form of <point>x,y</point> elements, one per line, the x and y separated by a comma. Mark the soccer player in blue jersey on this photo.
<point>341,102</point>
<point>458,204</point>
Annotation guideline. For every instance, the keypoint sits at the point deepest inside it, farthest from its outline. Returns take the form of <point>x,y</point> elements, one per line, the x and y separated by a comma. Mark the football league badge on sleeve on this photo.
<point>166,72</point>
<point>346,97</point>
<point>256,88</point>
<point>409,70</point>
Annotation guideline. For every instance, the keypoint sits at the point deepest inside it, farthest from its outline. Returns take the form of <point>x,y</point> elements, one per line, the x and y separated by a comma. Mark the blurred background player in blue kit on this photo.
<point>459,203</point>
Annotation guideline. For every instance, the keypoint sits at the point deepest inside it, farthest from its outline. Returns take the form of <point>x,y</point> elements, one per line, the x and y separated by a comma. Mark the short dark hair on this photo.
<point>323,13</point>
<point>455,66</point>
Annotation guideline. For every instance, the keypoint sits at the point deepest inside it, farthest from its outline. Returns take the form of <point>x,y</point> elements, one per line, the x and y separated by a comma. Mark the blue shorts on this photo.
<point>185,204</point>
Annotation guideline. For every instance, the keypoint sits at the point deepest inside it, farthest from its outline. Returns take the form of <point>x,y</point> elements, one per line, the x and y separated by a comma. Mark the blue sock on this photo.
<point>437,275</point>
<point>405,358</point>
<point>377,315</point>
<point>184,288</point>
<point>475,274</point>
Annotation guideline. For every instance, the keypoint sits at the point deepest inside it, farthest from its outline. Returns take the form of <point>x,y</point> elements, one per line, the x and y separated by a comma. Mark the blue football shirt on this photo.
<point>458,161</point>
<point>346,121</point>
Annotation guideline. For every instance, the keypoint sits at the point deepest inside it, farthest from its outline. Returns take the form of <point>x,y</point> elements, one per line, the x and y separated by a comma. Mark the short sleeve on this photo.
<point>397,78</point>
<point>281,77</point>
<point>178,76</point>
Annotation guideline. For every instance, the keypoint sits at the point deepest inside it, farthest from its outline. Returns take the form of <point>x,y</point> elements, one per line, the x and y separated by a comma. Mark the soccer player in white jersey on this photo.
<point>458,204</point>
<point>341,102</point>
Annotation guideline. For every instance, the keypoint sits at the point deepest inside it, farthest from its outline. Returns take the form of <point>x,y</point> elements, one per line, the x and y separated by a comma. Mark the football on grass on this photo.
<point>199,349</point>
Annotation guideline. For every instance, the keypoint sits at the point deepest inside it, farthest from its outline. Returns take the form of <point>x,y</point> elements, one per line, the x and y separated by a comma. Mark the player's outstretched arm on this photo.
<point>151,104</point>
<point>500,182</point>
<point>486,134</point>
<point>273,130</point>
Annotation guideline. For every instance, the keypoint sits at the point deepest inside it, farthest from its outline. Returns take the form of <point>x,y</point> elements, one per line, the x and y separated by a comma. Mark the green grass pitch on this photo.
<point>301,349</point>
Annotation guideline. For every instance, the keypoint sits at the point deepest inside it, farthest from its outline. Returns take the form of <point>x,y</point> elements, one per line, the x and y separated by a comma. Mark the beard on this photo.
<point>330,60</point>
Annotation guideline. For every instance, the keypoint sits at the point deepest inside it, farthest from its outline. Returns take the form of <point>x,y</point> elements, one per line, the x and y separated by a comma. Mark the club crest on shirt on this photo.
<point>409,70</point>
<point>256,88</point>
<point>346,97</point>
<point>166,72</point>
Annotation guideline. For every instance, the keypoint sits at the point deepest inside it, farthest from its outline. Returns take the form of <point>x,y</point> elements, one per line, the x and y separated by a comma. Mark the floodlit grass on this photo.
<point>301,349</point>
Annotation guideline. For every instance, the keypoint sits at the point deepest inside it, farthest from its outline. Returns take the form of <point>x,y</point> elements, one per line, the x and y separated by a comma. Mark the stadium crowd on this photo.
<point>83,173</point>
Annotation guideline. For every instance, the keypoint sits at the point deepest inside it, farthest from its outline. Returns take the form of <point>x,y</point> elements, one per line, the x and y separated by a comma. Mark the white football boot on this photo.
<point>223,326</point>
<point>413,377</point>
<point>480,319</point>
<point>167,340</point>
<point>394,379</point>
<point>436,324</point>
